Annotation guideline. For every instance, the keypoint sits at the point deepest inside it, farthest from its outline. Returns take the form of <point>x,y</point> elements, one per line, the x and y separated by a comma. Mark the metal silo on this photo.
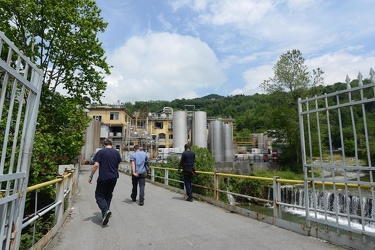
<point>199,131</point>
<point>217,140</point>
<point>180,137</point>
<point>228,143</point>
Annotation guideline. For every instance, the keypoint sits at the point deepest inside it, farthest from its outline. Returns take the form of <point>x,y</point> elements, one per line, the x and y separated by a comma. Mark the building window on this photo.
<point>114,116</point>
<point>141,124</point>
<point>170,136</point>
<point>158,125</point>
<point>97,117</point>
<point>162,136</point>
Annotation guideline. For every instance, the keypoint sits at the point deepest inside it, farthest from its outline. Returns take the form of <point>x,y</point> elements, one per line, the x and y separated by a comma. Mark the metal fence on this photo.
<point>21,84</point>
<point>337,137</point>
<point>65,185</point>
<point>285,200</point>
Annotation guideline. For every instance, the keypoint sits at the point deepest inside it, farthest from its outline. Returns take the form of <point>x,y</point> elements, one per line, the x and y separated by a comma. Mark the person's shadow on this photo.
<point>96,218</point>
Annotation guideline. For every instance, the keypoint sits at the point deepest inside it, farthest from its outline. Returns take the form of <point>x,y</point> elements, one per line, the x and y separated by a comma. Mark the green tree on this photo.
<point>291,81</point>
<point>60,36</point>
<point>290,75</point>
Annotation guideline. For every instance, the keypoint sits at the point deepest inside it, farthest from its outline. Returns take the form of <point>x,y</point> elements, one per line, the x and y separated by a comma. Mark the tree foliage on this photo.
<point>61,38</point>
<point>290,75</point>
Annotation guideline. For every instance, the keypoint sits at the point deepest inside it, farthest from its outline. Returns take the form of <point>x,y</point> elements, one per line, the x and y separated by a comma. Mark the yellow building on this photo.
<point>114,121</point>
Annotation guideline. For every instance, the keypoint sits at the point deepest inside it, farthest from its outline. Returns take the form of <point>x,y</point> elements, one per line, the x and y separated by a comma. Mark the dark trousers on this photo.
<point>104,193</point>
<point>141,180</point>
<point>188,187</point>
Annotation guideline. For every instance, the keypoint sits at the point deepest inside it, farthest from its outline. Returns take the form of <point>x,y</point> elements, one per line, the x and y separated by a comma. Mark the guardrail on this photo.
<point>65,184</point>
<point>276,202</point>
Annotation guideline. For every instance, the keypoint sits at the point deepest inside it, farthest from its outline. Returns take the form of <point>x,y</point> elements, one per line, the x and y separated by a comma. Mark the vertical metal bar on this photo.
<point>152,174</point>
<point>372,77</point>
<point>277,213</point>
<point>166,177</point>
<point>305,170</point>
<point>216,186</point>
<point>355,147</point>
<point>59,211</point>
<point>360,83</point>
<point>35,212</point>
<point>321,162</point>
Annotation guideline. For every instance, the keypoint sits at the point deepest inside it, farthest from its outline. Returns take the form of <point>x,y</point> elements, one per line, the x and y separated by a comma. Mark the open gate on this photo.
<point>20,90</point>
<point>338,150</point>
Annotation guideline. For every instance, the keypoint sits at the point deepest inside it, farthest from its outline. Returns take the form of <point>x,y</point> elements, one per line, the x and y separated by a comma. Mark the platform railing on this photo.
<point>68,182</point>
<point>65,185</point>
<point>278,203</point>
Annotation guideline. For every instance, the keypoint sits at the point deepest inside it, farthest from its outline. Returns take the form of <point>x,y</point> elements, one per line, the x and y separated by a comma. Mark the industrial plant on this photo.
<point>165,133</point>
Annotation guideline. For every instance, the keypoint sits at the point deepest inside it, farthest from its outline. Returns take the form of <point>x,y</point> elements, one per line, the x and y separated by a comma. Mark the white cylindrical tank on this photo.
<point>199,131</point>
<point>217,140</point>
<point>104,131</point>
<point>260,141</point>
<point>228,143</point>
<point>180,137</point>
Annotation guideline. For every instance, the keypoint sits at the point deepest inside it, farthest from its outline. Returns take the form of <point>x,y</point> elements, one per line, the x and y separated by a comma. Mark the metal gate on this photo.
<point>338,150</point>
<point>20,88</point>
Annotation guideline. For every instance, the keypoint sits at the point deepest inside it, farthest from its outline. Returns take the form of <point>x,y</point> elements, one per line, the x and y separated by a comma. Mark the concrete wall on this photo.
<point>92,140</point>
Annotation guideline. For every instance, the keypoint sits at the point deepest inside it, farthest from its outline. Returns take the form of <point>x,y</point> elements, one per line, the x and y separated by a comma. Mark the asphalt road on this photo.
<point>167,221</point>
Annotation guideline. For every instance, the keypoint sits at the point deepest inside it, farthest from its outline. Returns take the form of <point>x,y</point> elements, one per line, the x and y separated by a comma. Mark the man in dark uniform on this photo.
<point>187,164</point>
<point>107,160</point>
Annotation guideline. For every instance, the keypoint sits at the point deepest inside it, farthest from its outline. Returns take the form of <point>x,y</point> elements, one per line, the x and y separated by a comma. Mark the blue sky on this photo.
<point>173,49</point>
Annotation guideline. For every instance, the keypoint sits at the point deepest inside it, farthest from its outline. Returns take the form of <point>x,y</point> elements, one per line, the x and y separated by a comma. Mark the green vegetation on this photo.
<point>204,162</point>
<point>60,37</point>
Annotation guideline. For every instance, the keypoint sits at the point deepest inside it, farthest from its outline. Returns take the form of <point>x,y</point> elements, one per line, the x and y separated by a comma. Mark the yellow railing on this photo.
<point>66,183</point>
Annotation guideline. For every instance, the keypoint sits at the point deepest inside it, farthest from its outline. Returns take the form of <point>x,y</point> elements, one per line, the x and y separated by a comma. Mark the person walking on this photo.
<point>107,160</point>
<point>139,172</point>
<point>187,164</point>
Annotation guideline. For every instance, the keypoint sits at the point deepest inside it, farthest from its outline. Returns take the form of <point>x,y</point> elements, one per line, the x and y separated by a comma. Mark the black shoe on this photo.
<point>141,203</point>
<point>189,199</point>
<point>106,216</point>
<point>133,199</point>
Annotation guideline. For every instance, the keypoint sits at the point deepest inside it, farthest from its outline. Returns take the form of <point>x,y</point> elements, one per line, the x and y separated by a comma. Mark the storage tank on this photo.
<point>261,141</point>
<point>217,140</point>
<point>180,137</point>
<point>104,131</point>
<point>199,131</point>
<point>228,143</point>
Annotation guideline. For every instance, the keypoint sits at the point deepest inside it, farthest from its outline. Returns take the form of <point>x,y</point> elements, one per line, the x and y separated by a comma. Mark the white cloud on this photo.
<point>161,66</point>
<point>300,5</point>
<point>197,5</point>
<point>337,66</point>
<point>254,77</point>
<point>237,12</point>
<point>245,38</point>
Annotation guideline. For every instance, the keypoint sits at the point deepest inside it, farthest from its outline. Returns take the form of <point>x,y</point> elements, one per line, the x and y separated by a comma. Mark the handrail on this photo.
<point>338,183</point>
<point>275,201</point>
<point>47,183</point>
<point>65,186</point>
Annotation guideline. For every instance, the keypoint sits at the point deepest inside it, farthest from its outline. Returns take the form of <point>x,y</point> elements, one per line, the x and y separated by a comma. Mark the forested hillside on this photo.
<point>252,113</point>
<point>274,113</point>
